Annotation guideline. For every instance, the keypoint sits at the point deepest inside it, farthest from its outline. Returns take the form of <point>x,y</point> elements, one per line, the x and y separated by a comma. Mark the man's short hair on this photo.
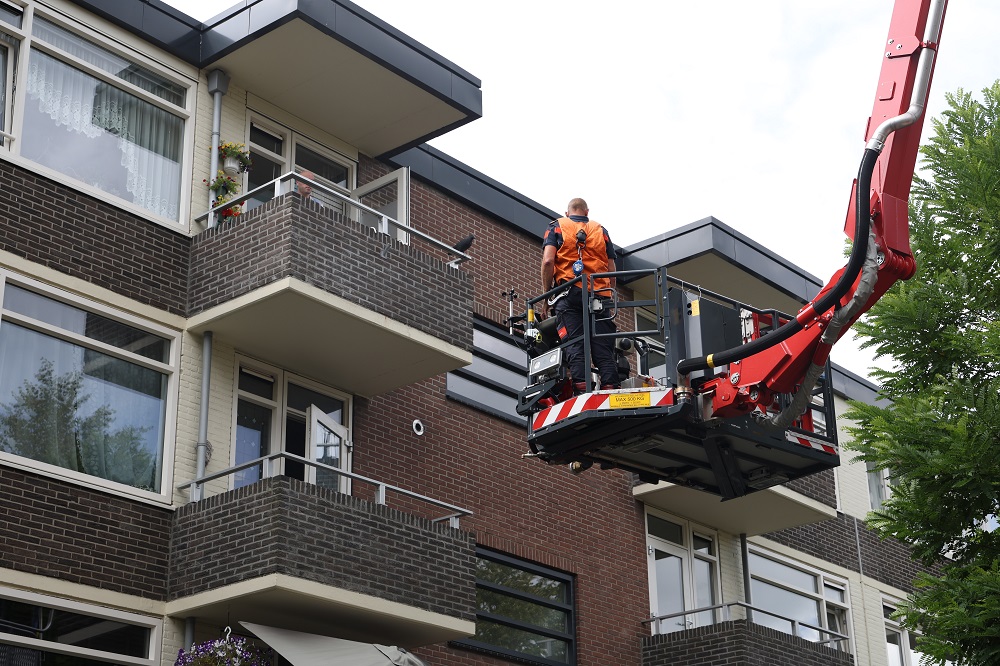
<point>577,204</point>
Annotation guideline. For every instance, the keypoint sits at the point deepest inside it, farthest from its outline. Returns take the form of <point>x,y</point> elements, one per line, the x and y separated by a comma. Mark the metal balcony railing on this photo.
<point>835,637</point>
<point>353,209</point>
<point>270,466</point>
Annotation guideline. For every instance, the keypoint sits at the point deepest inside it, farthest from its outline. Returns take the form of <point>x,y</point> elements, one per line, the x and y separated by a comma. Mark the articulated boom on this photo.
<point>756,411</point>
<point>893,136</point>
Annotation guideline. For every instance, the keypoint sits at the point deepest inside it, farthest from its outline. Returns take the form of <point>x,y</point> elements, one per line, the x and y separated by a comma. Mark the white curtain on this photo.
<point>148,139</point>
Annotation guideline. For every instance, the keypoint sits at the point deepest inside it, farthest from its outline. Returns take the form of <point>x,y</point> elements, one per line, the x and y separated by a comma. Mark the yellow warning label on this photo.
<point>628,400</point>
<point>695,308</point>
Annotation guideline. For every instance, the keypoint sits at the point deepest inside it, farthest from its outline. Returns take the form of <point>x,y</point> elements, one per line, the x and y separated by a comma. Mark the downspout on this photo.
<point>745,557</point>
<point>206,385</point>
<point>218,85</point>
<point>188,633</point>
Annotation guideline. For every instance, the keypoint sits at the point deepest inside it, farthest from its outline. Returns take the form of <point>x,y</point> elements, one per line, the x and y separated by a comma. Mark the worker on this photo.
<point>575,245</point>
<point>304,187</point>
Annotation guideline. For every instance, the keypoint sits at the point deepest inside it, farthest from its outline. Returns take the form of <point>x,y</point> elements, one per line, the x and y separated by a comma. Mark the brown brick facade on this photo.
<point>71,232</point>
<point>737,643</point>
<point>52,528</point>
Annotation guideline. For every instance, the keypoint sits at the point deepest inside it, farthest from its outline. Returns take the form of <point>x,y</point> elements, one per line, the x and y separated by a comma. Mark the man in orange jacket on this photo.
<point>576,245</point>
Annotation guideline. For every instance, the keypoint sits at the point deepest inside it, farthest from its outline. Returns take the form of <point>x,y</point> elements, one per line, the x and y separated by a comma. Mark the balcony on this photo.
<point>284,553</point>
<point>739,641</point>
<point>309,287</point>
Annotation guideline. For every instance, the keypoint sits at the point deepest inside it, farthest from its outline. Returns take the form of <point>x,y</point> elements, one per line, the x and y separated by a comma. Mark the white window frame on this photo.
<point>823,580</point>
<point>905,636</point>
<point>688,556</point>
<point>113,39</point>
<point>280,412</point>
<point>170,369</point>
<point>290,139</point>
<point>155,627</point>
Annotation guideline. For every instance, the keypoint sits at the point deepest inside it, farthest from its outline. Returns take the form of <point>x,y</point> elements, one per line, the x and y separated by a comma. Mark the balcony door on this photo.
<point>276,411</point>
<point>683,572</point>
<point>389,195</point>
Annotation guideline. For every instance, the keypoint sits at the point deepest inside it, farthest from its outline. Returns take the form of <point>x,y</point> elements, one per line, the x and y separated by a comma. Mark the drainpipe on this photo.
<point>218,85</point>
<point>188,633</point>
<point>206,385</point>
<point>745,553</point>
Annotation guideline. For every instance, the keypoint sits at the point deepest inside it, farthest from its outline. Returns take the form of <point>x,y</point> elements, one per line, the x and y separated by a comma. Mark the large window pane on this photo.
<point>522,580</point>
<point>80,409</point>
<point>786,604</point>
<point>521,641</point>
<point>768,568</point>
<point>95,133</point>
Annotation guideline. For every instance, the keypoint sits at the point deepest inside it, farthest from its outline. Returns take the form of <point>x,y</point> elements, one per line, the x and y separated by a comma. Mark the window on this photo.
<point>84,390</point>
<point>879,486</point>
<point>900,643</point>
<point>683,572</point>
<point>808,596</point>
<point>107,121</point>
<point>36,629</point>
<point>276,411</point>
<point>276,150</point>
<point>525,610</point>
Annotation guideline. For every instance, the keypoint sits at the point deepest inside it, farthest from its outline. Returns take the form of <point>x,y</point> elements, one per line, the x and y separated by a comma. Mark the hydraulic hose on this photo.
<point>862,224</point>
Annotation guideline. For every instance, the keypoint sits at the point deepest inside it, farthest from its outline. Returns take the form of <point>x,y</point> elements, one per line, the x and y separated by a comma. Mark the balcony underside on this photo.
<point>286,602</point>
<point>317,334</point>
<point>764,511</point>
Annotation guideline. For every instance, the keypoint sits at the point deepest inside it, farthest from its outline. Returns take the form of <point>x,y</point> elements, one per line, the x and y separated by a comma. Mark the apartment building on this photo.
<point>302,417</point>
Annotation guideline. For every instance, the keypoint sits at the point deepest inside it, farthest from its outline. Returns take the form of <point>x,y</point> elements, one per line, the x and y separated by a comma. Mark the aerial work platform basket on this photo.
<point>658,425</point>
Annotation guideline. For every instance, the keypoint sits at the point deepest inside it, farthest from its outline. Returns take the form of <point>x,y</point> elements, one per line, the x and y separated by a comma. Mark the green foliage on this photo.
<point>44,422</point>
<point>939,437</point>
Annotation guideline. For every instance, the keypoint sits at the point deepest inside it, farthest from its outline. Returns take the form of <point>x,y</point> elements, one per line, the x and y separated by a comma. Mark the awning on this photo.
<point>302,649</point>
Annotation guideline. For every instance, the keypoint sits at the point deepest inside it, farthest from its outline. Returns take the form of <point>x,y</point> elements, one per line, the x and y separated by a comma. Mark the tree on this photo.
<point>939,436</point>
<point>45,422</point>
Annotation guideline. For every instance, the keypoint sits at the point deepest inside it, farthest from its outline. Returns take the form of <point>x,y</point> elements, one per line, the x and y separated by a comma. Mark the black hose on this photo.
<point>862,224</point>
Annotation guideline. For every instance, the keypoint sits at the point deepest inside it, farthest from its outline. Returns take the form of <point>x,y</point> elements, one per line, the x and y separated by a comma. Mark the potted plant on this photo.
<point>237,651</point>
<point>224,187</point>
<point>235,158</point>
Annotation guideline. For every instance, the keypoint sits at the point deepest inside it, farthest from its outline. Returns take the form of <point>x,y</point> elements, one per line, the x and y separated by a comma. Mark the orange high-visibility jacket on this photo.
<point>595,252</point>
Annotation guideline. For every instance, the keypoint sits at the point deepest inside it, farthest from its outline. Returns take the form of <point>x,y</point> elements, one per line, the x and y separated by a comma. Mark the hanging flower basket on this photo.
<point>225,187</point>
<point>236,651</point>
<point>235,158</point>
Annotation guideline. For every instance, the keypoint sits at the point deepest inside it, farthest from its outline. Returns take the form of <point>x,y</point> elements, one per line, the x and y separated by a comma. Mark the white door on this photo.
<point>390,196</point>
<point>329,444</point>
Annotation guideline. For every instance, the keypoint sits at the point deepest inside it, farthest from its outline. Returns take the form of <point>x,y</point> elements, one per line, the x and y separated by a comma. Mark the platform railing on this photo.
<point>269,466</point>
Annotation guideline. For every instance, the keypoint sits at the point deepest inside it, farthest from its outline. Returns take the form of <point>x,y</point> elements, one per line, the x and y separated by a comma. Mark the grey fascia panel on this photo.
<point>156,22</point>
<point>476,189</point>
<point>854,387</point>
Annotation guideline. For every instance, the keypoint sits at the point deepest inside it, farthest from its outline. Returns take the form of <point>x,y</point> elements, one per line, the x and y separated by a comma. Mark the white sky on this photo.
<point>662,113</point>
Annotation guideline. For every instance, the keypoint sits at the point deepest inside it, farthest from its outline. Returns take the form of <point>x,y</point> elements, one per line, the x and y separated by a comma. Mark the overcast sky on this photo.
<point>662,113</point>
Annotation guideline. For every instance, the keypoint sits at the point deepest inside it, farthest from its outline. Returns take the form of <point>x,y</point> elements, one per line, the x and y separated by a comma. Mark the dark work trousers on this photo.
<point>569,315</point>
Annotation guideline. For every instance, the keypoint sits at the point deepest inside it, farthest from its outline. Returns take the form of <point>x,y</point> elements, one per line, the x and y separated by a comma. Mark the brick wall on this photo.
<point>346,542</point>
<point>848,542</point>
<point>79,535</point>
<point>73,233</point>
<point>821,487</point>
<point>737,643</point>
<point>286,238</point>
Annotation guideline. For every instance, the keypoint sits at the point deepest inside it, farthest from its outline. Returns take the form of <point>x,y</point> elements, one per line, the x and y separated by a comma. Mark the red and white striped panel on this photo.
<point>599,401</point>
<point>803,440</point>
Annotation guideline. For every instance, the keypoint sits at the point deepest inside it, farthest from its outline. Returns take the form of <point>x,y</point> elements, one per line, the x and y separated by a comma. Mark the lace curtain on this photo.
<point>93,116</point>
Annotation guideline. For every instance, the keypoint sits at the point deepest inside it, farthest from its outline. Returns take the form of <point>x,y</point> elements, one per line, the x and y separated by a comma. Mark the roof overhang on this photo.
<point>764,511</point>
<point>330,63</point>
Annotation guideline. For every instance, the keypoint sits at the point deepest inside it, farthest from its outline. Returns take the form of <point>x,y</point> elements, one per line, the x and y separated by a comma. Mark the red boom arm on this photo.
<point>893,136</point>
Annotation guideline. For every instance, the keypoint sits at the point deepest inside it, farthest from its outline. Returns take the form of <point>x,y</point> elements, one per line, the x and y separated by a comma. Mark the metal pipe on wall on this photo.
<point>218,85</point>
